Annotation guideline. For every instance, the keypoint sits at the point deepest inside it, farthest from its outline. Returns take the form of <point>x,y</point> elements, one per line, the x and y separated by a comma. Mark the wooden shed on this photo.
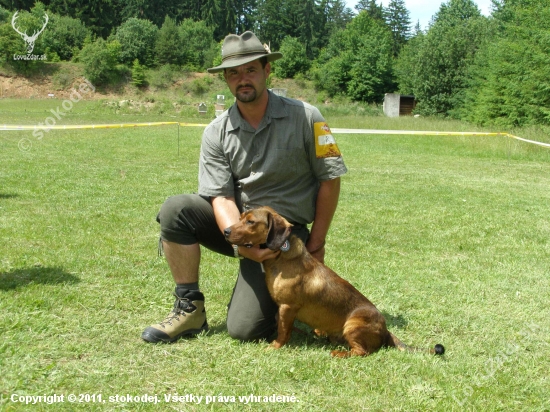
<point>396,105</point>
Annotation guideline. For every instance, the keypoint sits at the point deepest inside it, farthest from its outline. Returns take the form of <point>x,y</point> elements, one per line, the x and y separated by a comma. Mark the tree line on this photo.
<point>487,70</point>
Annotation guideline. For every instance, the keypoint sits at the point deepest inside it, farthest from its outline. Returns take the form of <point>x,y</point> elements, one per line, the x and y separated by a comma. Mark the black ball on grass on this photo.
<point>439,349</point>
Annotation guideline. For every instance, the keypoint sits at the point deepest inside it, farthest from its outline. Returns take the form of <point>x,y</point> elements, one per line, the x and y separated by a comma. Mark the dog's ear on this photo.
<point>278,232</point>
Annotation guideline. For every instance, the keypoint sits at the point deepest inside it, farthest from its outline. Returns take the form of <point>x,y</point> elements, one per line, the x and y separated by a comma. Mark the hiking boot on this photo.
<point>188,318</point>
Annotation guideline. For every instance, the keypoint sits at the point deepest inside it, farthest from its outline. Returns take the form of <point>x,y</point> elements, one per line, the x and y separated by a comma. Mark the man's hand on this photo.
<point>258,255</point>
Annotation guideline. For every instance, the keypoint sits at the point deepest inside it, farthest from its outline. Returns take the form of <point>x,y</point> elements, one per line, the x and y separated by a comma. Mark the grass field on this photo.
<point>448,236</point>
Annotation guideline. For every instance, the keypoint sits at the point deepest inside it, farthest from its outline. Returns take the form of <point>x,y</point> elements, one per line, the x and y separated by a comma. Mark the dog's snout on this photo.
<point>227,232</point>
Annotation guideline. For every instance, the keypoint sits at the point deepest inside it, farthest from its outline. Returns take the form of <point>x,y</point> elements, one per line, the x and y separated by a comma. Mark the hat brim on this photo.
<point>238,61</point>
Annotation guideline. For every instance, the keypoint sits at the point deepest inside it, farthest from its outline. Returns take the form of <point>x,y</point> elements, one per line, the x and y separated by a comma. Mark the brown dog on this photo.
<point>307,290</point>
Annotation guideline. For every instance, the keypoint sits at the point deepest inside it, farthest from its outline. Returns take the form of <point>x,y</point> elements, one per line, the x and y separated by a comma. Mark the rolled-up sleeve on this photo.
<point>325,167</point>
<point>215,176</point>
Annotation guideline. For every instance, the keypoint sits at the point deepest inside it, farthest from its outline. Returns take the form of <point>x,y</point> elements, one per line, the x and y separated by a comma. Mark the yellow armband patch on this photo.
<point>325,144</point>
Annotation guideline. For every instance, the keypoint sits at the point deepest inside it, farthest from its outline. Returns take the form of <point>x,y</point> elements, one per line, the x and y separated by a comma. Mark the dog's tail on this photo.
<point>394,342</point>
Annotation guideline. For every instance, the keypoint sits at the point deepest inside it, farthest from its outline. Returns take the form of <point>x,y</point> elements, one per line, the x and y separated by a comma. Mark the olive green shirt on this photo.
<point>276,165</point>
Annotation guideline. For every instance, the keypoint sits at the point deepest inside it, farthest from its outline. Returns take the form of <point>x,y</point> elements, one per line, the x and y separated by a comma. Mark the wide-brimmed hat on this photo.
<point>237,50</point>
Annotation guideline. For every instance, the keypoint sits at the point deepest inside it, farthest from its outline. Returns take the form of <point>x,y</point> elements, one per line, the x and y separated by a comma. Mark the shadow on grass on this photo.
<point>303,336</point>
<point>7,195</point>
<point>307,338</point>
<point>19,278</point>
<point>217,329</point>
<point>394,321</point>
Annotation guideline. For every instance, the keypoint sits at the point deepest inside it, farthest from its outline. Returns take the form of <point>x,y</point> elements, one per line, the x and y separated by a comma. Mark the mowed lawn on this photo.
<point>448,236</point>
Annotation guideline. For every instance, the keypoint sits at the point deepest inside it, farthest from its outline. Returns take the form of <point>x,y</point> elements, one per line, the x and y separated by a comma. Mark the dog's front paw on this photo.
<point>340,353</point>
<point>275,345</point>
<point>320,333</point>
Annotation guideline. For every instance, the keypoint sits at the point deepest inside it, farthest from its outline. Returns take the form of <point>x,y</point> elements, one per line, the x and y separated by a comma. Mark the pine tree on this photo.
<point>138,74</point>
<point>376,11</point>
<point>397,18</point>
<point>245,14</point>
<point>100,16</point>
<point>228,17</point>
<point>336,15</point>
<point>210,15</point>
<point>301,15</point>
<point>168,44</point>
<point>434,66</point>
<point>274,22</point>
<point>417,28</point>
<point>510,78</point>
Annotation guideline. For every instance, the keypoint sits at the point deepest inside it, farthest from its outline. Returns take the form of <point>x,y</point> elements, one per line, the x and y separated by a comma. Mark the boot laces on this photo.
<point>180,307</point>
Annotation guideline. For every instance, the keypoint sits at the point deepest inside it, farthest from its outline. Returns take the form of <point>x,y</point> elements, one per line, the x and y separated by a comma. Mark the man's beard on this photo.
<point>248,96</point>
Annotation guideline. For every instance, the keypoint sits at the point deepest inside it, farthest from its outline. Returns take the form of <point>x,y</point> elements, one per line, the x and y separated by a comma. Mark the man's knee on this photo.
<point>180,215</point>
<point>173,208</point>
<point>250,331</point>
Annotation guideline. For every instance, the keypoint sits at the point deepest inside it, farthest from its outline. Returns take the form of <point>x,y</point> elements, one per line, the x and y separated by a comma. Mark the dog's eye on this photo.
<point>250,222</point>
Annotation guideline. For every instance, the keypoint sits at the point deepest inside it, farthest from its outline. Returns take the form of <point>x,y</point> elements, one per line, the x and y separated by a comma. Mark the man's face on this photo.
<point>248,81</point>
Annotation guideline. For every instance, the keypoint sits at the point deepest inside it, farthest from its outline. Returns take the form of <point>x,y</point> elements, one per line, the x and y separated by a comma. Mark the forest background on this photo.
<point>489,70</point>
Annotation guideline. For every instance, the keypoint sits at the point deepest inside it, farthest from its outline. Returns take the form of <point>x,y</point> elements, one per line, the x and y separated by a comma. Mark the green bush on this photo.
<point>63,35</point>
<point>4,15</point>
<point>100,61</point>
<point>162,77</point>
<point>62,79</point>
<point>357,62</point>
<point>198,47</point>
<point>52,56</point>
<point>332,74</point>
<point>217,57</point>
<point>294,59</point>
<point>137,39</point>
<point>12,44</point>
<point>434,66</point>
<point>168,47</point>
<point>26,22</point>
<point>201,85</point>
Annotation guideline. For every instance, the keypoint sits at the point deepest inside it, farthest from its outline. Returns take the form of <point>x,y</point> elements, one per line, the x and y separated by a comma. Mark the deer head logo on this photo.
<point>29,39</point>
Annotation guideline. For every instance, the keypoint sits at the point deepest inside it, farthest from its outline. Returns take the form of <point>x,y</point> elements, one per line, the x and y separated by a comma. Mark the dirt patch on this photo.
<point>39,88</point>
<point>61,84</point>
<point>42,87</point>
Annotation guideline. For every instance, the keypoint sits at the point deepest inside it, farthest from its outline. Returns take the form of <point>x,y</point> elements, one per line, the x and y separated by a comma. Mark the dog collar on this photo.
<point>286,246</point>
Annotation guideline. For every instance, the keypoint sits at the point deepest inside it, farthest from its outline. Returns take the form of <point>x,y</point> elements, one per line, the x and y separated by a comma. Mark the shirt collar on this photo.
<point>275,110</point>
